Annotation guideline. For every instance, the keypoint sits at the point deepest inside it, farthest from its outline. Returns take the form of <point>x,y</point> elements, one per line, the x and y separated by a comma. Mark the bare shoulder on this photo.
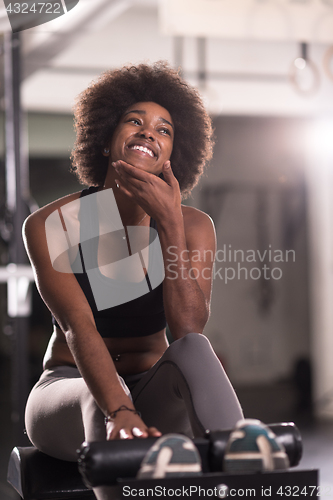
<point>34,220</point>
<point>195,219</point>
<point>199,230</point>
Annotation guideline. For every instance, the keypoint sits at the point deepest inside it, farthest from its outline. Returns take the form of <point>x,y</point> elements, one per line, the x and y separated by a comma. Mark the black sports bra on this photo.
<point>141,316</point>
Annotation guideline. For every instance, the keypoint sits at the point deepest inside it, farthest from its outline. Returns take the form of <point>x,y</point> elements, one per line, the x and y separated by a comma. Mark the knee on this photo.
<point>190,345</point>
<point>192,340</point>
<point>31,421</point>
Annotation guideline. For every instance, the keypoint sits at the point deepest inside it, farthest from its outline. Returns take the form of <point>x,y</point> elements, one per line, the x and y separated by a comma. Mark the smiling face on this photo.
<point>143,137</point>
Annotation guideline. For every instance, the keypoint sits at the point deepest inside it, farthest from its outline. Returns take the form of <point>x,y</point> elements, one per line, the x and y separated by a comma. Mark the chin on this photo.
<point>148,168</point>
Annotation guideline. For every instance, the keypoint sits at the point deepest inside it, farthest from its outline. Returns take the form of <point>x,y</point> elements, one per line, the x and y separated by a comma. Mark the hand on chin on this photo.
<point>141,164</point>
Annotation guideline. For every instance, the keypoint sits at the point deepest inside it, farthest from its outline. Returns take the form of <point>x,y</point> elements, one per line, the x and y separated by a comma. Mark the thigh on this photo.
<point>61,413</point>
<point>188,386</point>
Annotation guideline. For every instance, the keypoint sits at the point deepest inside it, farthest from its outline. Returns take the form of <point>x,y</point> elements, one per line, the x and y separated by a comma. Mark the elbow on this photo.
<point>203,316</point>
<point>76,326</point>
<point>190,323</point>
<point>200,322</point>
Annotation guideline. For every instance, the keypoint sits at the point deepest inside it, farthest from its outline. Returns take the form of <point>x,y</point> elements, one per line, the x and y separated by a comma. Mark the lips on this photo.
<point>143,147</point>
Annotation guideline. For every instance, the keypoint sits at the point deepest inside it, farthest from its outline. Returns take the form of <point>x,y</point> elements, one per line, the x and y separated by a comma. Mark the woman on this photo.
<point>143,138</point>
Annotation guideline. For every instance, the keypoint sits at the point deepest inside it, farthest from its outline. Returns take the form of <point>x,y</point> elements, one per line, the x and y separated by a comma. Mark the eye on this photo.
<point>135,120</point>
<point>165,130</point>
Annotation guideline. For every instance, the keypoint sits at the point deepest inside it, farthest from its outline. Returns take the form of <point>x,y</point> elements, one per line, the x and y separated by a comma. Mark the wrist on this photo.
<point>112,415</point>
<point>171,221</point>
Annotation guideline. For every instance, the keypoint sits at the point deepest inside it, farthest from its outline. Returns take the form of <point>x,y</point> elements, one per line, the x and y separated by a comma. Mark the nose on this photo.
<point>147,134</point>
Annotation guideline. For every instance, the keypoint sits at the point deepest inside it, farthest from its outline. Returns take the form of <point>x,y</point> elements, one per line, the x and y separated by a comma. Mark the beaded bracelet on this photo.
<point>112,416</point>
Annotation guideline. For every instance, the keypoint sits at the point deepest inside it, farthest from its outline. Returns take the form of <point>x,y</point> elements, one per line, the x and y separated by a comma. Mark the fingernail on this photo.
<point>136,432</point>
<point>123,434</point>
<point>167,165</point>
<point>116,181</point>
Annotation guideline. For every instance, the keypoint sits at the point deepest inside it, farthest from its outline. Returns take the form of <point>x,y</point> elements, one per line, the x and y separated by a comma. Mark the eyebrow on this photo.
<point>142,112</point>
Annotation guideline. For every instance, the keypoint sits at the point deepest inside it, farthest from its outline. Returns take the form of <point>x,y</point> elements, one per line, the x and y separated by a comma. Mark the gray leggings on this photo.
<point>186,391</point>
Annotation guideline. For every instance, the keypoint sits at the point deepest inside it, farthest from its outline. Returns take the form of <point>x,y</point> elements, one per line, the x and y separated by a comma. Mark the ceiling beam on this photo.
<point>43,54</point>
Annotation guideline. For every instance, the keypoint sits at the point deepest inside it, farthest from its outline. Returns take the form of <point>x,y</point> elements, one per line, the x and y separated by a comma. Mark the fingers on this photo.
<point>121,187</point>
<point>167,166</point>
<point>123,434</point>
<point>135,432</point>
<point>133,172</point>
<point>153,432</point>
<point>127,433</point>
<point>133,178</point>
<point>128,182</point>
<point>168,174</point>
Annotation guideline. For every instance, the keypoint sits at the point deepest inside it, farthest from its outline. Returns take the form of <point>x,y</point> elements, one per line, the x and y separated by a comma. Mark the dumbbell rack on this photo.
<point>115,464</point>
<point>36,476</point>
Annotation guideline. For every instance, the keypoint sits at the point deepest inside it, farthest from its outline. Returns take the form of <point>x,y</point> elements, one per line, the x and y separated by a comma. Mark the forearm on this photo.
<point>96,366</point>
<point>185,304</point>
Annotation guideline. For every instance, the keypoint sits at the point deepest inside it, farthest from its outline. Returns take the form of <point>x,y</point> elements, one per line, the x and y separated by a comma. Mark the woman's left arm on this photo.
<point>188,242</point>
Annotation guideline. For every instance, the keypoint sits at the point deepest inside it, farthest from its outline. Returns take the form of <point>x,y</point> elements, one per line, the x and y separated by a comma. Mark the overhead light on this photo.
<point>304,74</point>
<point>300,63</point>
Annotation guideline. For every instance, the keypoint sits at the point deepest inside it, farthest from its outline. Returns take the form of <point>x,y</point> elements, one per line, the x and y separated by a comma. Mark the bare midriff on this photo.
<point>130,355</point>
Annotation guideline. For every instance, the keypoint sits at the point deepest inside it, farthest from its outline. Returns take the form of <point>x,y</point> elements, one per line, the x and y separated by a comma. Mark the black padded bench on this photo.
<point>36,476</point>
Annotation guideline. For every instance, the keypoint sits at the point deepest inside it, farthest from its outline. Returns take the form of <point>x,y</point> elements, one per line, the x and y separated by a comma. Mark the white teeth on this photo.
<point>144,150</point>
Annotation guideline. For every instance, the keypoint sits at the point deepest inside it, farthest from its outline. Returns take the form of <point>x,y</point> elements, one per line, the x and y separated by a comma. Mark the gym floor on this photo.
<point>275,403</point>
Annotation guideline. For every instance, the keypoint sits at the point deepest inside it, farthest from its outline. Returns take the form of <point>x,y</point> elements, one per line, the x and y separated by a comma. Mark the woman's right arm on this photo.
<point>67,302</point>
